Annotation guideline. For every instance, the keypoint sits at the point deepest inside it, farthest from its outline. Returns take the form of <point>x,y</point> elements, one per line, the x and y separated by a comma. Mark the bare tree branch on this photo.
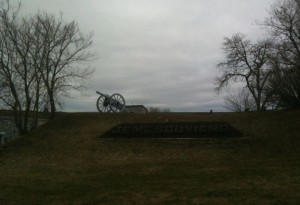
<point>246,62</point>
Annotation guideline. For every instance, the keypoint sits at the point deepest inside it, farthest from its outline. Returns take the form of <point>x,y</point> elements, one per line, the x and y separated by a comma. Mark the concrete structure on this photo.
<point>136,109</point>
<point>8,130</point>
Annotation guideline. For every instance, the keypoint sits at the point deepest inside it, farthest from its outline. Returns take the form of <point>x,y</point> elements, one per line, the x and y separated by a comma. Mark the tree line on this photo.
<point>267,70</point>
<point>42,58</point>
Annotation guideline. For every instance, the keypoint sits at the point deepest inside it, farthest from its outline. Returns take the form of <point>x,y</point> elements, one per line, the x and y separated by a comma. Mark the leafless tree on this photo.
<point>41,58</point>
<point>158,109</point>
<point>283,24</point>
<point>239,101</point>
<point>60,51</point>
<point>246,62</point>
<point>16,76</point>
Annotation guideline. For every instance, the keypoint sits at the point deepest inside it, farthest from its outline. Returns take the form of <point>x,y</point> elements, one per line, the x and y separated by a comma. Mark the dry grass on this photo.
<point>65,162</point>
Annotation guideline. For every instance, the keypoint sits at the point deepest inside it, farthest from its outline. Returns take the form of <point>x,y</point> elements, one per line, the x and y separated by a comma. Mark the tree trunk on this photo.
<point>52,105</point>
<point>18,119</point>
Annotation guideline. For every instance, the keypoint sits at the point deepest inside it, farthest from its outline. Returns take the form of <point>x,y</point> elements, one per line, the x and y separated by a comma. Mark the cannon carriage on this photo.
<point>110,103</point>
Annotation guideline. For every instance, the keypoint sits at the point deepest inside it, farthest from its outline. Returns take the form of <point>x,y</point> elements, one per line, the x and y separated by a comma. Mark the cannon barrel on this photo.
<point>105,95</point>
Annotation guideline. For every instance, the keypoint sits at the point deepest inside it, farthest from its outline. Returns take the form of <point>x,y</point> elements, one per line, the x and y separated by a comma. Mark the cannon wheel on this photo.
<point>117,103</point>
<point>103,104</point>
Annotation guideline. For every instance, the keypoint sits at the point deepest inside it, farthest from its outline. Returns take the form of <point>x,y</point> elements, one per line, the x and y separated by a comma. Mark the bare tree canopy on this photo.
<point>246,62</point>
<point>41,58</point>
<point>60,50</point>
<point>284,27</point>
<point>239,101</point>
<point>270,68</point>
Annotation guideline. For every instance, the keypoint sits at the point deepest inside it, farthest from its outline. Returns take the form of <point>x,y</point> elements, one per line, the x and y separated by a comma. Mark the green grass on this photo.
<point>65,162</point>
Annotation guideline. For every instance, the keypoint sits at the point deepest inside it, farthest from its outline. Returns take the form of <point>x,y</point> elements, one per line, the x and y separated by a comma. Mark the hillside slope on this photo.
<point>65,162</point>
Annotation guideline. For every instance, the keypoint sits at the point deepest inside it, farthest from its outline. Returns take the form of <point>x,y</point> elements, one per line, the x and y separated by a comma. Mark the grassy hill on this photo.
<point>65,162</point>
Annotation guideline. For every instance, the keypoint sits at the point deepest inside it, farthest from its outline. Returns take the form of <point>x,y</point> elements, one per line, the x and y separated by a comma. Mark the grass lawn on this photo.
<point>65,162</point>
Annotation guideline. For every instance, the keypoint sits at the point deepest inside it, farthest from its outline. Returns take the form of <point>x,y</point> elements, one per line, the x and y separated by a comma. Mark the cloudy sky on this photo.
<point>160,53</point>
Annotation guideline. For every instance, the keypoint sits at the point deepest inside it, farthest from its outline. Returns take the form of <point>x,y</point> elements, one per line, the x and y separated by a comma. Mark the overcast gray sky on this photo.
<point>160,53</point>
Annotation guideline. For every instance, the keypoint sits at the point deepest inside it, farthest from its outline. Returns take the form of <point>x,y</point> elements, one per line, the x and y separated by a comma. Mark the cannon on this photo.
<point>110,103</point>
